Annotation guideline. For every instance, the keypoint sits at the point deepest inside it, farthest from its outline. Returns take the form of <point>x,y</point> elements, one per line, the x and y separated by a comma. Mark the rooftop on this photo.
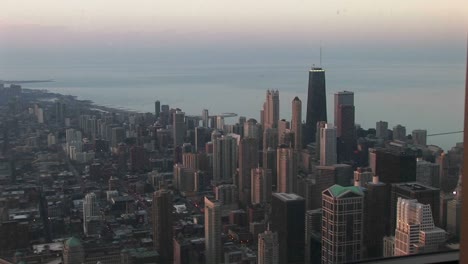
<point>288,196</point>
<point>338,190</point>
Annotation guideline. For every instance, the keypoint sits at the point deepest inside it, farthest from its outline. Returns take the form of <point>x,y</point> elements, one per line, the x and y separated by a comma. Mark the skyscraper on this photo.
<point>73,252</point>
<point>178,127</point>
<point>376,216</point>
<point>157,108</point>
<point>91,212</point>
<point>205,117</point>
<point>224,158</point>
<point>286,170</point>
<point>213,229</point>
<point>268,248</point>
<point>342,224</point>
<point>271,109</point>
<point>344,122</point>
<point>413,190</point>
<point>261,185</point>
<point>248,159</point>
<point>296,122</point>
<point>162,224</point>
<point>316,102</point>
<point>328,145</point>
<point>394,166</point>
<point>415,231</point>
<point>288,220</point>
<point>454,207</point>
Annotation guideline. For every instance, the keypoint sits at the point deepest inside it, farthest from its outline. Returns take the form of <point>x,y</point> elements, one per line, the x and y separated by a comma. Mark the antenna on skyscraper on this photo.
<point>320,53</point>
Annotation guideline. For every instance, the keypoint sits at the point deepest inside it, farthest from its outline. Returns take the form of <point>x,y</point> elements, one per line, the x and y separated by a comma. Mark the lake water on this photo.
<point>424,94</point>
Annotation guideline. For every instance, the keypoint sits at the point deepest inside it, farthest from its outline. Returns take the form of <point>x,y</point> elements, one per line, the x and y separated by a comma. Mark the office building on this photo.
<point>205,118</point>
<point>261,185</point>
<point>415,231</point>
<point>224,157</point>
<point>269,162</point>
<point>286,170</point>
<point>392,165</point>
<point>271,109</point>
<point>376,216</point>
<point>268,248</point>
<point>323,178</point>
<point>248,159</point>
<point>399,133</point>
<point>454,216</point>
<point>213,230</point>
<point>428,173</point>
<point>344,123</point>
<point>178,128</point>
<point>162,224</point>
<point>413,190</point>
<point>342,224</point>
<point>316,102</point>
<point>419,137</point>
<point>381,130</point>
<point>296,122</point>
<point>287,219</point>
<point>73,252</point>
<point>319,126</point>
<point>157,108</point>
<point>328,145</point>
<point>313,234</point>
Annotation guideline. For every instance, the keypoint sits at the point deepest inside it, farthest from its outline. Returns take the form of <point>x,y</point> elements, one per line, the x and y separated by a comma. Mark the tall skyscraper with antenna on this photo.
<point>316,102</point>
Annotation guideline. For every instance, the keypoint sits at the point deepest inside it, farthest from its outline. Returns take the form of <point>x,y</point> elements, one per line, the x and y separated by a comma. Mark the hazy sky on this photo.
<point>52,24</point>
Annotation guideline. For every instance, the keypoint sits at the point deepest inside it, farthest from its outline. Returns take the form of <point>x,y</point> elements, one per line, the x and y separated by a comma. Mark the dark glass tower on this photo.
<point>316,102</point>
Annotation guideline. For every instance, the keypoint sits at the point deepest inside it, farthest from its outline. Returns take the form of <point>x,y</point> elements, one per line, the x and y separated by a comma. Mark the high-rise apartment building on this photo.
<point>271,109</point>
<point>328,145</point>
<point>296,122</point>
<point>162,224</point>
<point>91,213</point>
<point>213,229</point>
<point>342,224</point>
<point>248,159</point>
<point>261,185</point>
<point>178,127</point>
<point>316,102</point>
<point>287,219</point>
<point>268,248</point>
<point>415,231</point>
<point>286,170</point>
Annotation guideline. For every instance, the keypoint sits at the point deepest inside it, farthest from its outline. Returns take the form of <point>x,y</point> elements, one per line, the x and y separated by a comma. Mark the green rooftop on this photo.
<point>73,242</point>
<point>337,190</point>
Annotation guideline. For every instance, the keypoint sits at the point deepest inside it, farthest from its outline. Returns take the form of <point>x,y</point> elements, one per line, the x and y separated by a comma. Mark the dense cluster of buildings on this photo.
<point>82,183</point>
